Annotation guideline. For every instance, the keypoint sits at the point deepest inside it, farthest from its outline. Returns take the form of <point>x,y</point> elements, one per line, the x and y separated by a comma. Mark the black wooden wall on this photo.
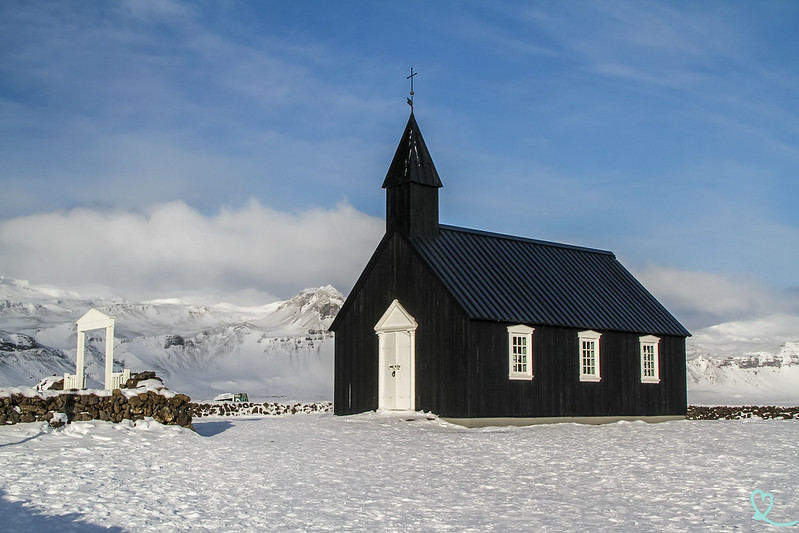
<point>556,389</point>
<point>412,208</point>
<point>396,271</point>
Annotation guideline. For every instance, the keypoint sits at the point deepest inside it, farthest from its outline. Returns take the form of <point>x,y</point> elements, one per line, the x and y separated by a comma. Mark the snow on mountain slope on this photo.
<point>277,350</point>
<point>23,360</point>
<point>745,362</point>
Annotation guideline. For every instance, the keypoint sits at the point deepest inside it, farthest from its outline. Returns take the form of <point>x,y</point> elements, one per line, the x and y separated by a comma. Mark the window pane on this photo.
<point>519,354</point>
<point>588,358</point>
<point>648,360</point>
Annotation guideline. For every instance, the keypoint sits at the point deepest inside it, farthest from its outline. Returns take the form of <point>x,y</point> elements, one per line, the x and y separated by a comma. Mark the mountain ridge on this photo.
<point>283,349</point>
<point>279,349</point>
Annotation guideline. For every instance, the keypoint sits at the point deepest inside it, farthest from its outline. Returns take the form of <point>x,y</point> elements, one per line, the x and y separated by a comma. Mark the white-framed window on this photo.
<point>520,352</point>
<point>650,356</point>
<point>588,342</point>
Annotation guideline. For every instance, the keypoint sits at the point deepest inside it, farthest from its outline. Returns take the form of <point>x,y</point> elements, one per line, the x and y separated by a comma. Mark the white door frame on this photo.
<point>395,320</point>
<point>92,320</point>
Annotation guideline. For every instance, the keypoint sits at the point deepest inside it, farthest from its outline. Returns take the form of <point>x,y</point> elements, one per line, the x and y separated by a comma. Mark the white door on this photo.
<point>397,358</point>
<point>397,370</point>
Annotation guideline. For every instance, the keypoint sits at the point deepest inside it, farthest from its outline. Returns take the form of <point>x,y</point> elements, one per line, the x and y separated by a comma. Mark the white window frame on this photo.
<point>525,334</point>
<point>653,343</point>
<point>589,336</point>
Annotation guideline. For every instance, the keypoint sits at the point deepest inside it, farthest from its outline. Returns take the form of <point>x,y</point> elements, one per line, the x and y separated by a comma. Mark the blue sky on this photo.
<point>238,148</point>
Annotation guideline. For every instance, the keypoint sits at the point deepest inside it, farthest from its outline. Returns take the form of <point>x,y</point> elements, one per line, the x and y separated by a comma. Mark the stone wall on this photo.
<point>115,406</point>
<point>177,409</point>
<point>721,412</point>
<point>60,407</point>
<point>251,408</point>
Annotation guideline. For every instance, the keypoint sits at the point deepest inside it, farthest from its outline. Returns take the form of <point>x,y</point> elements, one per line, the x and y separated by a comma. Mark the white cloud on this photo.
<point>253,254</point>
<point>173,250</point>
<point>701,299</point>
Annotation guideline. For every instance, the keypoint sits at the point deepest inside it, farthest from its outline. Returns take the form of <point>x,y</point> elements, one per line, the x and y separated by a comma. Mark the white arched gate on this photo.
<point>92,320</point>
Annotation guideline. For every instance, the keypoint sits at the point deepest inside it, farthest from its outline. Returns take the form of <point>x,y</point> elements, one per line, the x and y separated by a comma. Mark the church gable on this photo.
<point>395,318</point>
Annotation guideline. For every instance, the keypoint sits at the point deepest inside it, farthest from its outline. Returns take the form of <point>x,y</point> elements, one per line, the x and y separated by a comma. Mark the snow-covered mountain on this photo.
<point>745,362</point>
<point>281,349</point>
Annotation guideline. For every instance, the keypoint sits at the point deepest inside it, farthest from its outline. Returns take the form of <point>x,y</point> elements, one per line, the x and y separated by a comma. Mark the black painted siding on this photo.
<point>556,389</point>
<point>395,271</point>
<point>412,209</point>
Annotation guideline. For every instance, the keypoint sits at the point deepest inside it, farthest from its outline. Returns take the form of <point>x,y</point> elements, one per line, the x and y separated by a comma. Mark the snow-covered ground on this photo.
<point>381,472</point>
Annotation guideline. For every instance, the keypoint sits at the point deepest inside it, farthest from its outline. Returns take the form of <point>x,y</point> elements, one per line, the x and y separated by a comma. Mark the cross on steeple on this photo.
<point>410,100</point>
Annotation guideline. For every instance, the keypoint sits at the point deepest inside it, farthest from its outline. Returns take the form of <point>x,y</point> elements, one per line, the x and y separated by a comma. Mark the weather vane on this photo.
<point>410,100</point>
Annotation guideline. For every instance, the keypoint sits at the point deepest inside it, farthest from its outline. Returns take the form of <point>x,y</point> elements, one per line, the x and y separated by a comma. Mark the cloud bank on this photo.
<point>255,254</point>
<point>701,299</point>
<point>248,255</point>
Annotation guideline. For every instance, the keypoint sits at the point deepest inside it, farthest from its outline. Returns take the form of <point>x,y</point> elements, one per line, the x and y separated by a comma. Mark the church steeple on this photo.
<point>412,185</point>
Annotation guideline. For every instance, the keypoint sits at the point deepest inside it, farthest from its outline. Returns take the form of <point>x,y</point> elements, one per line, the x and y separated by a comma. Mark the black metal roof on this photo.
<point>514,279</point>
<point>412,161</point>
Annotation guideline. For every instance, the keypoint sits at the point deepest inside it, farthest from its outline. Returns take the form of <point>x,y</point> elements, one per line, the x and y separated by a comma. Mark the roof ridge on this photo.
<point>483,233</point>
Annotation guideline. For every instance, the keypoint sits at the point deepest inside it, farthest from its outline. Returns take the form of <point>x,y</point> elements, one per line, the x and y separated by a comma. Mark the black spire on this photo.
<point>412,162</point>
<point>412,185</point>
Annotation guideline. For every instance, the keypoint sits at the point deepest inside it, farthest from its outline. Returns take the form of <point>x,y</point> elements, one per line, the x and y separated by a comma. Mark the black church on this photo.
<point>482,328</point>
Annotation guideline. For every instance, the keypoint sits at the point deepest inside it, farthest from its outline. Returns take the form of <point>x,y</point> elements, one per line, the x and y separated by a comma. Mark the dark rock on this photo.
<point>174,340</point>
